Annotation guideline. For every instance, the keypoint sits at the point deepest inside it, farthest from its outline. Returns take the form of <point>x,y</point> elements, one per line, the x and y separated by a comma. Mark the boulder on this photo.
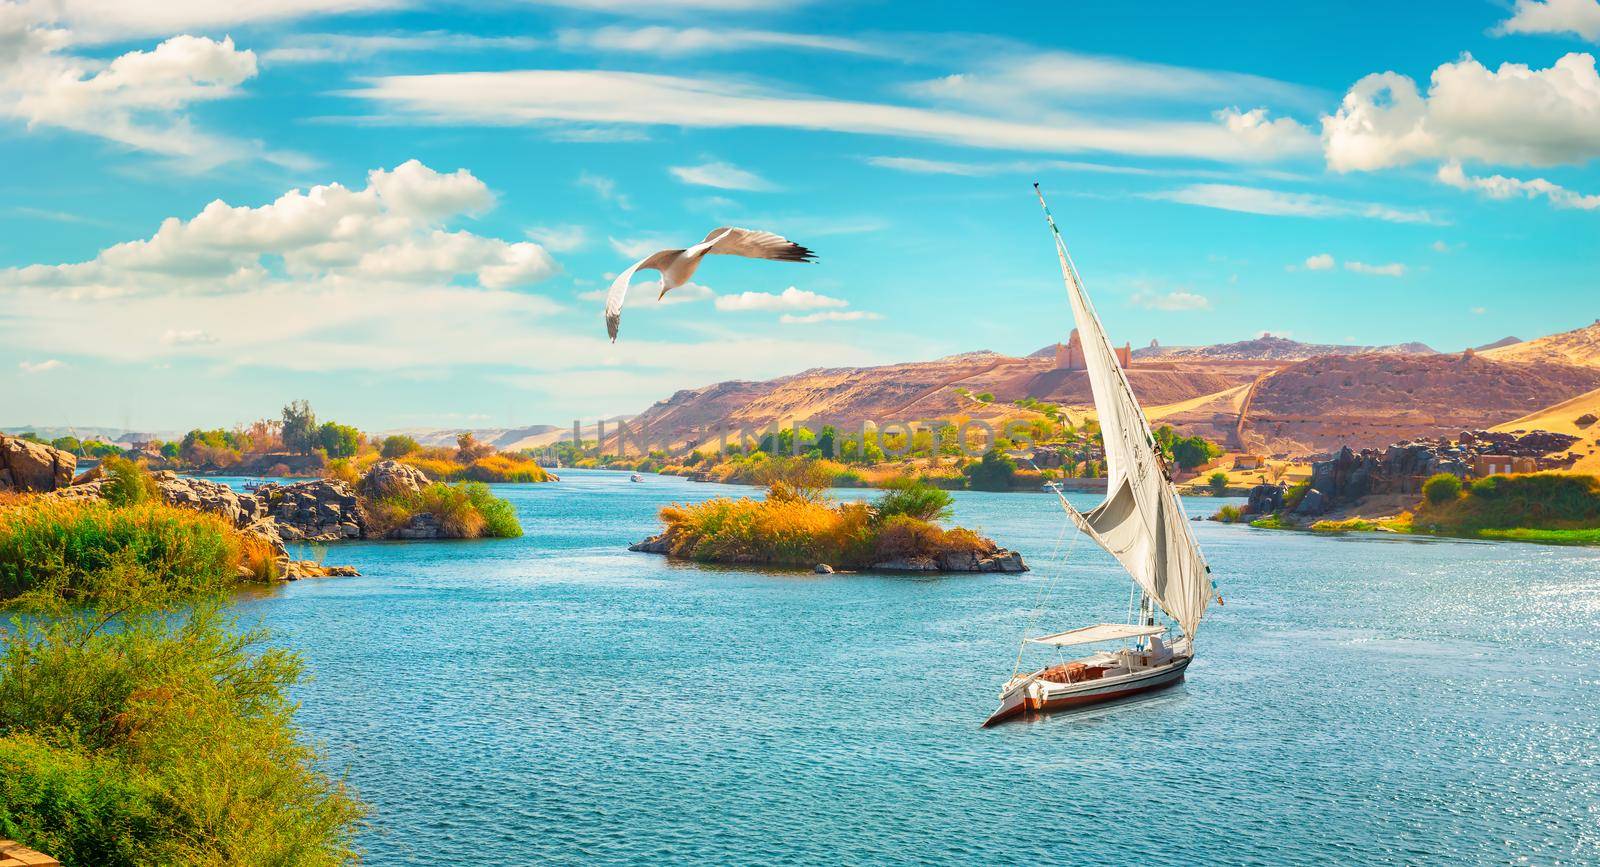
<point>657,544</point>
<point>34,467</point>
<point>391,478</point>
<point>318,510</point>
<point>822,569</point>
<point>423,525</point>
<point>908,564</point>
<point>1264,499</point>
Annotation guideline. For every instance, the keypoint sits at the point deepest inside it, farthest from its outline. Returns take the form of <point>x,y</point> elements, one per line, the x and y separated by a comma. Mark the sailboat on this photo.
<point>1142,524</point>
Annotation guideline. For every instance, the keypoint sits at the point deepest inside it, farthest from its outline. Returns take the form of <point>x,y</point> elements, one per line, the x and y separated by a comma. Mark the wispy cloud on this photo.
<point>343,47</point>
<point>791,298</point>
<point>545,96</point>
<point>560,239</point>
<point>663,41</point>
<point>32,367</point>
<point>1170,301</point>
<point>828,316</point>
<point>1502,187</point>
<point>1393,269</point>
<point>1256,200</point>
<point>605,188</point>
<point>722,176</point>
<point>1319,262</point>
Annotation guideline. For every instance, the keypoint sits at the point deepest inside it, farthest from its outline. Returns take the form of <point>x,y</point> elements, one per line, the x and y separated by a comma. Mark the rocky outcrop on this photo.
<point>319,510</point>
<point>423,525</point>
<point>1264,500</point>
<point>1402,468</point>
<point>33,467</point>
<point>251,515</point>
<point>390,479</point>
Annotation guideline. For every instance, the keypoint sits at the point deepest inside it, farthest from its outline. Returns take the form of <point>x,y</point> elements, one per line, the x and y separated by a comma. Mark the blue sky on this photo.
<point>405,212</point>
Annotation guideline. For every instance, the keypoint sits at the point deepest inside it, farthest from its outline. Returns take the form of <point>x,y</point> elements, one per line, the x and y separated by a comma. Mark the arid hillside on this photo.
<point>1372,400</point>
<point>1578,346</point>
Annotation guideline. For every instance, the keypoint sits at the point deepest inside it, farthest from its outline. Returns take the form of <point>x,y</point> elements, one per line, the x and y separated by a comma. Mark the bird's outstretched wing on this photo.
<point>756,244</point>
<point>619,287</point>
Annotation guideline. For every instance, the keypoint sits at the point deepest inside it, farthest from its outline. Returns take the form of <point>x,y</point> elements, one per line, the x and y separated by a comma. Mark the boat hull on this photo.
<point>1038,696</point>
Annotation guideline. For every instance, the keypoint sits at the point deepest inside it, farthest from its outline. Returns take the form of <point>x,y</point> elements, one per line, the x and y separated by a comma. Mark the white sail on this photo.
<point>1141,522</point>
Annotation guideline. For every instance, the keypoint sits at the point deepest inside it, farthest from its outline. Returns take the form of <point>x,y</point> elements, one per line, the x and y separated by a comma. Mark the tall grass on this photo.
<point>795,531</point>
<point>78,549</point>
<point>465,511</point>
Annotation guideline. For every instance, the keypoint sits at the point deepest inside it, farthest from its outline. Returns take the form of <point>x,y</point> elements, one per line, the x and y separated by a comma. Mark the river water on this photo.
<point>556,698</point>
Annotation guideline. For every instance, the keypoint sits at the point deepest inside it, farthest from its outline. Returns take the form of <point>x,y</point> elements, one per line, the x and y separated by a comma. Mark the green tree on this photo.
<point>994,472</point>
<point>300,428</point>
<point>985,397</point>
<point>398,446</point>
<point>169,450</point>
<point>1441,488</point>
<point>67,444</point>
<point>339,440</point>
<point>1218,483</point>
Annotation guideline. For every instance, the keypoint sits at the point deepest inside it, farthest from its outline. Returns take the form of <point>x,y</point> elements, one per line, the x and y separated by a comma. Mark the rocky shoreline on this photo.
<point>995,559</point>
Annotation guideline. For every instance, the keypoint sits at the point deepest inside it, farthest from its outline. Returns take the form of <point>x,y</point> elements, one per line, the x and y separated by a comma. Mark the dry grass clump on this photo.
<point>465,511</point>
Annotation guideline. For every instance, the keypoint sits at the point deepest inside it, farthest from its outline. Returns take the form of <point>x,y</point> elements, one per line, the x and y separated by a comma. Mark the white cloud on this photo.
<point>1554,16</point>
<point>1319,262</point>
<point>388,232</point>
<point>605,188</point>
<point>1393,269</point>
<point>137,100</point>
<point>1171,301</point>
<point>664,41</point>
<point>30,367</point>
<point>1511,115</point>
<point>1478,311</point>
<point>1502,187</point>
<point>1255,200</point>
<point>589,97</point>
<point>640,247</point>
<point>646,293</point>
<point>186,337</point>
<point>1025,79</point>
<point>560,239</point>
<point>722,176</point>
<point>1439,247</point>
<point>828,316</point>
<point>344,47</point>
<point>109,20</point>
<point>789,299</point>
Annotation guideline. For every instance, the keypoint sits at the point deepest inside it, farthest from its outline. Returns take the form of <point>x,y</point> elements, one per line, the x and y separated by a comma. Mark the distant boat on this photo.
<point>636,478</point>
<point>251,486</point>
<point>1143,525</point>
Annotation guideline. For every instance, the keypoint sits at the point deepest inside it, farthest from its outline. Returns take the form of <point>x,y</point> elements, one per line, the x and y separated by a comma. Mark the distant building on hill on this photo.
<point>1501,465</point>
<point>1069,355</point>
<point>1249,462</point>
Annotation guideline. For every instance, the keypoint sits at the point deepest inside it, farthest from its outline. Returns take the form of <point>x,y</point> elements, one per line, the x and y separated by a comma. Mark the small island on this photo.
<point>798,525</point>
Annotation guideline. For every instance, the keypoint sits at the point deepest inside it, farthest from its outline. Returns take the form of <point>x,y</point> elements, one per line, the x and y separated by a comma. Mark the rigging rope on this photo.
<point>1042,597</point>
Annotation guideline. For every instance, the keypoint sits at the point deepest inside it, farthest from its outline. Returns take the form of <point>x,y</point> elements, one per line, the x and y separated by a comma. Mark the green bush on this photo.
<point>1441,488</point>
<point>1293,496</point>
<point>82,550</point>
<point>468,510</point>
<point>499,516</point>
<point>995,472</point>
<point>399,445</point>
<point>134,735</point>
<point>1229,515</point>
<point>1218,482</point>
<point>127,483</point>
<point>914,499</point>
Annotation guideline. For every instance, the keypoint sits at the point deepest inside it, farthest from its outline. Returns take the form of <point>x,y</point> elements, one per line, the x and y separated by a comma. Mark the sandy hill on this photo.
<point>1372,400</point>
<point>1578,346</point>
<point>1270,348</point>
<point>928,390</point>
<point>505,439</point>
<point>1564,418</point>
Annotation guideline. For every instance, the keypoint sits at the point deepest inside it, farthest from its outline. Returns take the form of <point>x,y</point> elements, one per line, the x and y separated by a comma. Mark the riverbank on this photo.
<point>1543,508</point>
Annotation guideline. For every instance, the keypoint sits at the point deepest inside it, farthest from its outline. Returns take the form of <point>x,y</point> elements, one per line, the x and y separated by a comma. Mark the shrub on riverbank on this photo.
<point>1543,501</point>
<point>467,510</point>
<point>789,529</point>
<point>138,724</point>
<point>77,549</point>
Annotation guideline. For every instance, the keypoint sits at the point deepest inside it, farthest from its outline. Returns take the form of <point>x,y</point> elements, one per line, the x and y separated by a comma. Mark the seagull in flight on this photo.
<point>677,266</point>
